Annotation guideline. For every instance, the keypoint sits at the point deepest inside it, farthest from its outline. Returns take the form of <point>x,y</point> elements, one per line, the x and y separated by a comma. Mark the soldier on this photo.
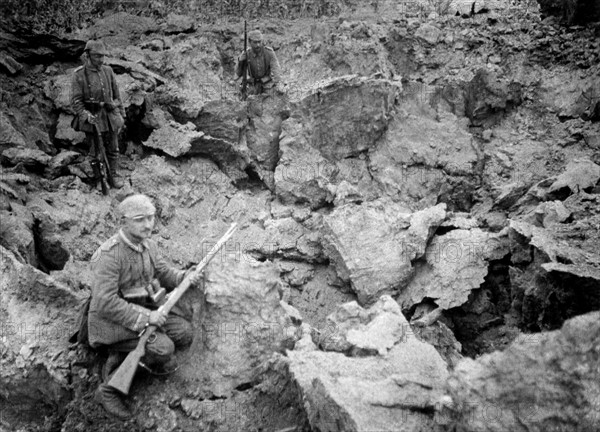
<point>263,67</point>
<point>123,268</point>
<point>96,100</point>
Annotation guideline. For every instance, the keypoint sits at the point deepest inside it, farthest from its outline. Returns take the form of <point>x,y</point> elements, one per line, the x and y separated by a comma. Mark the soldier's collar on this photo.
<point>138,248</point>
<point>88,64</point>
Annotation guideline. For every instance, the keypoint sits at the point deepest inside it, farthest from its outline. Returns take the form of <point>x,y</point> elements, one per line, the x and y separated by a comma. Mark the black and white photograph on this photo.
<point>299,215</point>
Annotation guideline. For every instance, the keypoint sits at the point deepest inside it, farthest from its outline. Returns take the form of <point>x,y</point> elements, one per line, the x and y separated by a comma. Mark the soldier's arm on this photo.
<point>169,277</point>
<point>77,94</point>
<point>116,93</point>
<point>275,68</point>
<point>110,305</point>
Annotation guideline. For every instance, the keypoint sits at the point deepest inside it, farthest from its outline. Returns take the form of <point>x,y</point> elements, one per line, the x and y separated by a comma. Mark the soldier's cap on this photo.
<point>95,47</point>
<point>135,206</point>
<point>255,35</point>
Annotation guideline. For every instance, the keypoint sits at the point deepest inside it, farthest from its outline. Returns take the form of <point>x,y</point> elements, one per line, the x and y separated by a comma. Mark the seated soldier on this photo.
<point>123,268</point>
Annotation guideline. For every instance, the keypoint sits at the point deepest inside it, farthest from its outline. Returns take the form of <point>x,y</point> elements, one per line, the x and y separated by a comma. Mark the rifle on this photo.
<point>101,161</point>
<point>122,378</point>
<point>245,65</point>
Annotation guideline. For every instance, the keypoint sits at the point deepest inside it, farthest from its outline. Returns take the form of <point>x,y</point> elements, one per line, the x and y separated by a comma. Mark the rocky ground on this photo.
<point>418,243</point>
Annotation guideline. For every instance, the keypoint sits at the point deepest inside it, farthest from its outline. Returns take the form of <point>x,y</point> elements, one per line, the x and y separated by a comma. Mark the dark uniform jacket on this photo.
<point>265,64</point>
<point>102,87</point>
<point>120,267</point>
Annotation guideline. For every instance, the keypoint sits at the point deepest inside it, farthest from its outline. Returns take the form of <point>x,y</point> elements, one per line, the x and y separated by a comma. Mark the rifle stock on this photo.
<point>100,155</point>
<point>123,377</point>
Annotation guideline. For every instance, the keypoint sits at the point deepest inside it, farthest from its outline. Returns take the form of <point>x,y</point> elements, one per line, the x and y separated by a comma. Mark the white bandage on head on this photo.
<point>135,206</point>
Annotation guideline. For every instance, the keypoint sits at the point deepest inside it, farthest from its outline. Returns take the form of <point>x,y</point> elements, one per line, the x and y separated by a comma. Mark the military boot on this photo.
<point>116,182</point>
<point>162,368</point>
<point>112,402</point>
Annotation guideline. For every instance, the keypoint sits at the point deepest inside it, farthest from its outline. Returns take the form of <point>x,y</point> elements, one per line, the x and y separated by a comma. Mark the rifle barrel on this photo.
<point>245,65</point>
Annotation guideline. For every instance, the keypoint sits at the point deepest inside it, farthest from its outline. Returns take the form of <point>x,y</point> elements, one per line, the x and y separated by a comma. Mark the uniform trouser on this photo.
<point>259,87</point>
<point>176,332</point>
<point>111,144</point>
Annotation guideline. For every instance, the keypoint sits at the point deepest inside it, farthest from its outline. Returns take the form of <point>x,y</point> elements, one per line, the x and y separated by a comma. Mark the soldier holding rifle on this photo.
<point>261,64</point>
<point>99,112</point>
<point>128,276</point>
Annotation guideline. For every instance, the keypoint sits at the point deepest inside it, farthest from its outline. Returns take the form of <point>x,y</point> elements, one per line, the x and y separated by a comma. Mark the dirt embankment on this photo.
<point>426,191</point>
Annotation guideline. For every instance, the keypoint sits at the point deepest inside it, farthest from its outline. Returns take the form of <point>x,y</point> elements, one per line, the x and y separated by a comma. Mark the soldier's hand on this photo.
<point>196,279</point>
<point>242,57</point>
<point>89,117</point>
<point>157,318</point>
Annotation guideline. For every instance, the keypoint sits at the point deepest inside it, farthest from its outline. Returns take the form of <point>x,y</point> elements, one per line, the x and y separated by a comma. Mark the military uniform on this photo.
<point>263,69</point>
<point>101,87</point>
<point>120,267</point>
<point>95,90</point>
<point>124,267</point>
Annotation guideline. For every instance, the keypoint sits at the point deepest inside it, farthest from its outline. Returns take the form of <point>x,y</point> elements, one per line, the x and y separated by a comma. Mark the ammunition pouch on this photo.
<point>264,80</point>
<point>137,295</point>
<point>150,296</point>
<point>93,106</point>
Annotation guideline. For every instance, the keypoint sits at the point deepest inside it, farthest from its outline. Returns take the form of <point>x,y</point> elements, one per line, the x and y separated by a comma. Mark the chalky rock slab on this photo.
<point>221,121</point>
<point>289,239</point>
<point>243,324</point>
<point>27,156</point>
<point>58,90</point>
<point>373,245</point>
<point>9,135</point>
<point>323,142</point>
<point>173,138</point>
<point>556,270</point>
<point>265,114</point>
<point>429,33</point>
<point>194,72</point>
<point>549,213</point>
<point>454,264</point>
<point>579,175</point>
<point>70,225</point>
<point>419,154</point>
<point>489,97</point>
<point>38,315</point>
<point>64,131</point>
<point>543,381</point>
<point>524,235</point>
<point>16,234</point>
<point>59,164</point>
<point>394,391</point>
<point>357,331</point>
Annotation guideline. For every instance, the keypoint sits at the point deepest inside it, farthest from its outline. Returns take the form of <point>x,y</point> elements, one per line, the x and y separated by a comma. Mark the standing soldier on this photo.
<point>128,273</point>
<point>263,67</point>
<point>96,101</point>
